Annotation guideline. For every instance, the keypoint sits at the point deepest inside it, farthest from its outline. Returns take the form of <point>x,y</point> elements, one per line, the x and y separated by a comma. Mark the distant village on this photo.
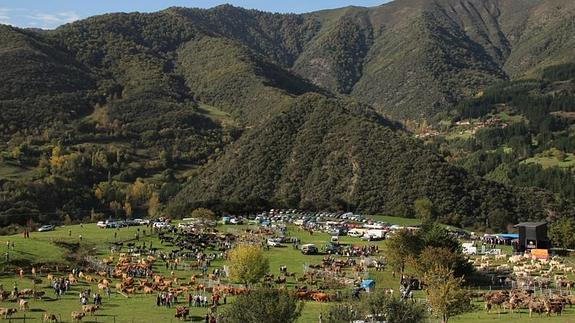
<point>462,127</point>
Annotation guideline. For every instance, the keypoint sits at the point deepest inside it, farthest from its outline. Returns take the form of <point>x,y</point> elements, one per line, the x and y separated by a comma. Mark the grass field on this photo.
<point>42,247</point>
<point>547,162</point>
<point>11,170</point>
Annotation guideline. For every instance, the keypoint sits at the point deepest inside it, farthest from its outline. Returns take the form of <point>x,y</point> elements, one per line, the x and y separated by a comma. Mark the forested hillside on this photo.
<point>155,114</point>
<point>331,154</point>
<point>517,132</point>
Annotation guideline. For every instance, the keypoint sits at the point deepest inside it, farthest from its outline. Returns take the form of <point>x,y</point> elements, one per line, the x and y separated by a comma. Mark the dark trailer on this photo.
<point>532,235</point>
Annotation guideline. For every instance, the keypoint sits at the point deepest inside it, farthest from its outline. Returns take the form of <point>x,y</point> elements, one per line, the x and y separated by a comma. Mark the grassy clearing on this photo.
<point>218,115</point>
<point>41,247</point>
<point>396,220</point>
<point>548,162</point>
<point>13,171</point>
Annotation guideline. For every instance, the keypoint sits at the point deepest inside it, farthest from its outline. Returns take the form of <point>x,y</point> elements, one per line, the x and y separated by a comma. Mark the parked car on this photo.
<point>161,225</point>
<point>47,227</point>
<point>185,225</point>
<point>356,232</point>
<point>273,243</point>
<point>309,249</point>
<point>333,248</point>
<point>101,224</point>
<point>131,223</point>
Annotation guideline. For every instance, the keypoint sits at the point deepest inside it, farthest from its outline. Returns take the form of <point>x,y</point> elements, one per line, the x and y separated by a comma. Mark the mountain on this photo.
<point>413,58</point>
<point>50,83</point>
<point>157,113</point>
<point>517,132</point>
<point>327,153</point>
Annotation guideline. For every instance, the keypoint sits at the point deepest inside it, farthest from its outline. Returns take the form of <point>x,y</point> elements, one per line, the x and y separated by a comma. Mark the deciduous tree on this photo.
<point>202,213</point>
<point>248,264</point>
<point>264,305</point>
<point>400,246</point>
<point>445,295</point>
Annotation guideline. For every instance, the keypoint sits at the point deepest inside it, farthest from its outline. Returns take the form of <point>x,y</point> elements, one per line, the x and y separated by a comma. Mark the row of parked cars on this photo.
<point>304,218</point>
<point>112,224</point>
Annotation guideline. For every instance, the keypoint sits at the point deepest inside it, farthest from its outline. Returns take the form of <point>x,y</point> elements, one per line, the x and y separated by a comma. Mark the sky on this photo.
<point>49,14</point>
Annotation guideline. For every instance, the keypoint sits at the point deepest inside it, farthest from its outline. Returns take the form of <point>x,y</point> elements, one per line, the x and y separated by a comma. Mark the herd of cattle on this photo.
<point>522,299</point>
<point>538,285</point>
<point>522,277</point>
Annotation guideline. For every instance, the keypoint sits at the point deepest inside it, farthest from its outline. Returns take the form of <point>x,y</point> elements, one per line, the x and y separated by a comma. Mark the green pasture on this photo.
<point>547,162</point>
<point>46,248</point>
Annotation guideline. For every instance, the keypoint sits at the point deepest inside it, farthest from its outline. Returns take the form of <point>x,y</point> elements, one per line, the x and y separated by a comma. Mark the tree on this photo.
<point>264,305</point>
<point>248,264</point>
<point>343,313</point>
<point>424,209</point>
<point>202,213</point>
<point>393,309</point>
<point>438,236</point>
<point>430,258</point>
<point>400,246</point>
<point>445,295</point>
<point>561,233</point>
<point>380,306</point>
<point>128,209</point>
<point>154,205</point>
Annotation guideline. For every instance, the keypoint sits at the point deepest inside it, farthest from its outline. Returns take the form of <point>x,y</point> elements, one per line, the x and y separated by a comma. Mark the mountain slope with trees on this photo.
<point>238,109</point>
<point>322,153</point>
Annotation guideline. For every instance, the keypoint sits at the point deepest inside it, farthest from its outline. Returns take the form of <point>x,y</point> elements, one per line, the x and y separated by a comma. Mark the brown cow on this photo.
<point>50,318</point>
<point>39,294</point>
<point>128,290</point>
<point>320,297</point>
<point>553,307</point>
<point>4,295</point>
<point>77,316</point>
<point>535,306</point>
<point>90,309</point>
<point>23,304</point>
<point>7,312</point>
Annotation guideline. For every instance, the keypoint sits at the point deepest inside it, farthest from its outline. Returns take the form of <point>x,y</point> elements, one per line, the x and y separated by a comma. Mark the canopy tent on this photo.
<point>367,284</point>
<point>507,236</point>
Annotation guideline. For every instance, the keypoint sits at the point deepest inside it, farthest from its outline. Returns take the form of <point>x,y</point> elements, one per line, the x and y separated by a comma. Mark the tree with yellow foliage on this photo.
<point>248,264</point>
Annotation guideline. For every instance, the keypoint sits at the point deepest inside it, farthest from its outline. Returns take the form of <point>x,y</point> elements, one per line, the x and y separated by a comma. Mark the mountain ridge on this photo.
<point>239,108</point>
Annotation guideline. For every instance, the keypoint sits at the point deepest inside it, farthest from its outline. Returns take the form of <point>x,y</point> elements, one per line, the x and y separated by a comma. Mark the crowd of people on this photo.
<point>60,286</point>
<point>84,297</point>
<point>166,299</point>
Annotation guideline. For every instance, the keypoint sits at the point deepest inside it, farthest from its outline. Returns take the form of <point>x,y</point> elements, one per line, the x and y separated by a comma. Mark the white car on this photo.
<point>161,225</point>
<point>273,243</point>
<point>101,224</point>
